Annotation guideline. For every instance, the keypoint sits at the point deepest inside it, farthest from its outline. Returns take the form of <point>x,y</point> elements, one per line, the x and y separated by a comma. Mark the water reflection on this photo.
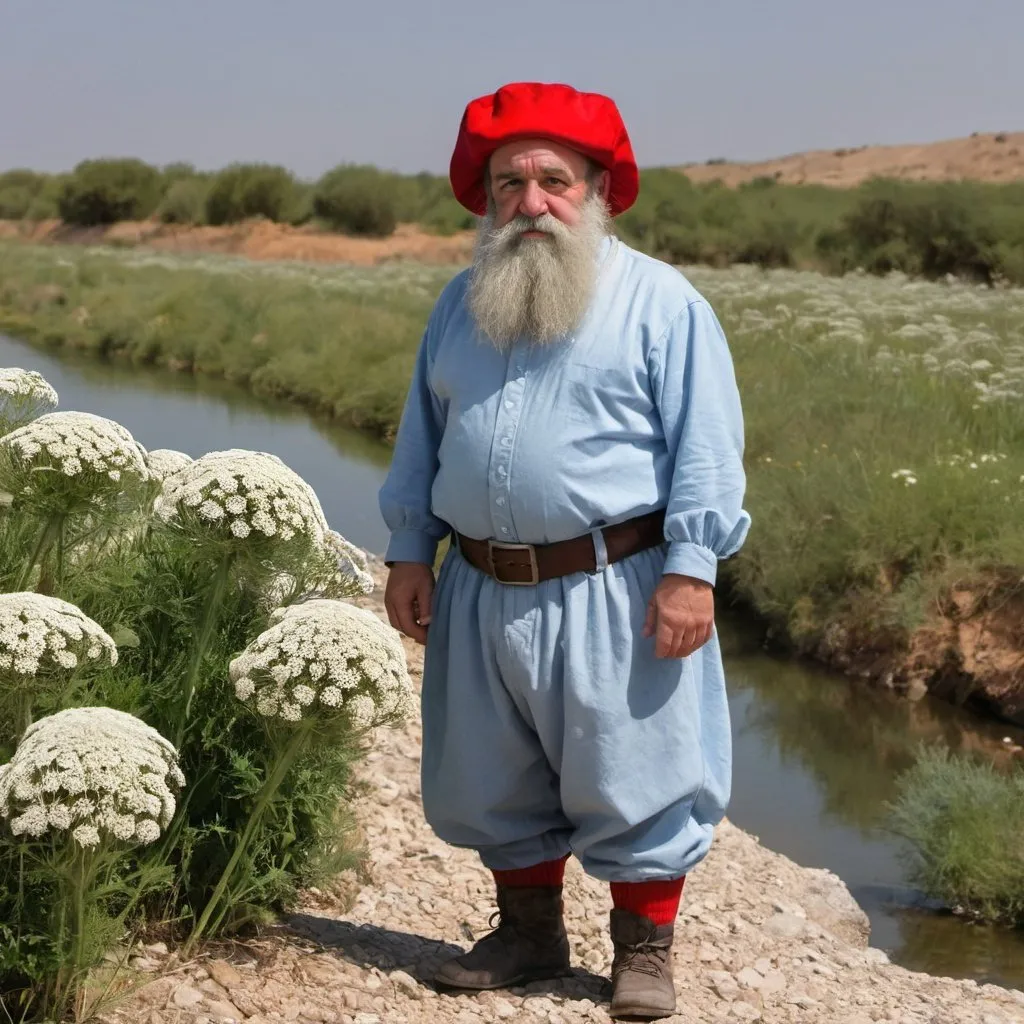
<point>164,409</point>
<point>816,762</point>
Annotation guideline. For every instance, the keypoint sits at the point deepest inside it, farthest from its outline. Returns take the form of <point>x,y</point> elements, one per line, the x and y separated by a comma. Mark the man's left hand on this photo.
<point>681,615</point>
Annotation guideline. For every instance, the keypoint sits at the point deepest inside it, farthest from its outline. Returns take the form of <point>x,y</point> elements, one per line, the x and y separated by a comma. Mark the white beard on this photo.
<point>536,288</point>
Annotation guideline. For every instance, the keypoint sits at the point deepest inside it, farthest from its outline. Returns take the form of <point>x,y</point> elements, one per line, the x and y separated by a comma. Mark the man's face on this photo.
<point>531,177</point>
<point>535,263</point>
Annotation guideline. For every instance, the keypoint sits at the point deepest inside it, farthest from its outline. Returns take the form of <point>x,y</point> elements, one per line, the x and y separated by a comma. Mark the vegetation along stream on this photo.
<point>816,757</point>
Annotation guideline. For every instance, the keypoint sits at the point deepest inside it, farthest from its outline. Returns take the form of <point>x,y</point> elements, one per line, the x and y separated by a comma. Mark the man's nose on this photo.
<point>534,201</point>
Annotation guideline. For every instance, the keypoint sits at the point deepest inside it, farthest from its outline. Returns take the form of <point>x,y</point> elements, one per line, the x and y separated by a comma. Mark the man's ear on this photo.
<point>604,184</point>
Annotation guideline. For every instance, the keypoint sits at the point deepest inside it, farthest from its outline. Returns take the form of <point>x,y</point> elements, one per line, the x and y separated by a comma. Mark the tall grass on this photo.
<point>885,431</point>
<point>965,821</point>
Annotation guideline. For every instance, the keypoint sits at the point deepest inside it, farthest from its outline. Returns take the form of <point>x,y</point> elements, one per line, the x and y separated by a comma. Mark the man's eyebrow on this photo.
<point>558,172</point>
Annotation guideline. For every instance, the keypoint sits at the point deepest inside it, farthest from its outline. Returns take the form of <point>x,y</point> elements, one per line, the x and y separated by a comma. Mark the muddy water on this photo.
<point>816,757</point>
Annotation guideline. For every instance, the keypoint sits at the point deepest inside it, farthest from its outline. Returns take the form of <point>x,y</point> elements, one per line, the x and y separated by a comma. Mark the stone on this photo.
<point>185,997</point>
<point>504,1009</point>
<point>724,984</point>
<point>223,973</point>
<point>222,1009</point>
<point>772,983</point>
<point>749,978</point>
<point>156,949</point>
<point>744,1011</point>
<point>145,964</point>
<point>784,926</point>
<point>406,984</point>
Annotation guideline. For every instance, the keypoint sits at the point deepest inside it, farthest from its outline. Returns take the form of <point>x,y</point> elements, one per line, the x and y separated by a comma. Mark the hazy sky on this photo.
<point>312,83</point>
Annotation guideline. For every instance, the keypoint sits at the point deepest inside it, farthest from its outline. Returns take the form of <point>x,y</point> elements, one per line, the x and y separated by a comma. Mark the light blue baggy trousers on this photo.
<point>550,727</point>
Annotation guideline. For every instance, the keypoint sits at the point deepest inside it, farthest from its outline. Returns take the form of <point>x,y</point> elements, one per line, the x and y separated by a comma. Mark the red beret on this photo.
<point>584,121</point>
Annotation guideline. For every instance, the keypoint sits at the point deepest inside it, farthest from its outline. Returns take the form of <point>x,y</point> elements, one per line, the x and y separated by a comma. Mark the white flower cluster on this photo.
<point>97,773</point>
<point>42,634</point>
<point>353,573</point>
<point>77,441</point>
<point>322,656</point>
<point>240,492</point>
<point>162,462</point>
<point>27,386</point>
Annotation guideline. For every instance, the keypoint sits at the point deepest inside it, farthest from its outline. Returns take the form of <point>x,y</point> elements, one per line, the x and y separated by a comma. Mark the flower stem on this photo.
<point>206,627</point>
<point>25,711</point>
<point>46,539</point>
<point>266,793</point>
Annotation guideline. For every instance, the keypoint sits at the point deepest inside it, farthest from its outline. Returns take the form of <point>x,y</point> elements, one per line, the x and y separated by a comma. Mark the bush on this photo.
<point>107,191</point>
<point>184,202</point>
<point>19,190</point>
<point>242,191</point>
<point>965,821</point>
<point>165,622</point>
<point>357,200</point>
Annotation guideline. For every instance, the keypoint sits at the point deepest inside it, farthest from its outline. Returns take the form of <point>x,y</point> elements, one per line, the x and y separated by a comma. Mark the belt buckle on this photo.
<point>534,570</point>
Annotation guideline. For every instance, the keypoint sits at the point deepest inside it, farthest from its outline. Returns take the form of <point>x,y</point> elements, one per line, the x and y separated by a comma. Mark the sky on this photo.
<point>314,83</point>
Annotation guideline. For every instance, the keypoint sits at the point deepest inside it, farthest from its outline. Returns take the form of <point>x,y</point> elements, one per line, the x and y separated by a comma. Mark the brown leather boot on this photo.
<point>642,985</point>
<point>529,943</point>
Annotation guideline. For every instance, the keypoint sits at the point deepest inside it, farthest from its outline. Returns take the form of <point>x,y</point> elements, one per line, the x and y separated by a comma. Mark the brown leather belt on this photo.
<point>524,565</point>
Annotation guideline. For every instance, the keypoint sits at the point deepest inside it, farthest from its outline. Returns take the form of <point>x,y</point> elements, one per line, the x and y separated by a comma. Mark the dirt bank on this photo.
<point>984,156</point>
<point>257,240</point>
<point>759,938</point>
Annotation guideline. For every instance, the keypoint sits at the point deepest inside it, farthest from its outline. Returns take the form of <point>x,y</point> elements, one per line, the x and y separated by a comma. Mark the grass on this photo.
<point>883,415</point>
<point>965,821</point>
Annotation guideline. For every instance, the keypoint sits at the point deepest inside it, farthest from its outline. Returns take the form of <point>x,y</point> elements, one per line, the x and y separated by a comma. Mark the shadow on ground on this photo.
<point>368,945</point>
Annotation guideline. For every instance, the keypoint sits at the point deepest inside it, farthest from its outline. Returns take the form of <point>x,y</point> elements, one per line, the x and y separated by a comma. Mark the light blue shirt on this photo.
<point>637,410</point>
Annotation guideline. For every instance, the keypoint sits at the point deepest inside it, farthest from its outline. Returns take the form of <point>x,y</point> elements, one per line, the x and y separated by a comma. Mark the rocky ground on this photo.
<point>758,938</point>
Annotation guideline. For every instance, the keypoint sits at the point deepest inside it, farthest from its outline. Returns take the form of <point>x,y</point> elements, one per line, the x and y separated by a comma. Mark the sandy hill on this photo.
<point>995,157</point>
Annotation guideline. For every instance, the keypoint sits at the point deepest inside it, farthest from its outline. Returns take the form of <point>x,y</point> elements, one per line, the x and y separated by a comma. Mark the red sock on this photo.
<point>657,900</point>
<point>548,872</point>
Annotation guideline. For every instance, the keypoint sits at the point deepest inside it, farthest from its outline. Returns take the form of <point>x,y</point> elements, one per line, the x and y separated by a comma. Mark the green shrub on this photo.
<point>965,821</point>
<point>107,191</point>
<point>204,609</point>
<point>242,191</point>
<point>184,202</point>
<point>19,190</point>
<point>357,200</point>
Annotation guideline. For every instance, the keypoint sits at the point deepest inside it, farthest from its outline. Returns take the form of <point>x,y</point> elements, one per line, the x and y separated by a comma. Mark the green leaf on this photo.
<point>124,637</point>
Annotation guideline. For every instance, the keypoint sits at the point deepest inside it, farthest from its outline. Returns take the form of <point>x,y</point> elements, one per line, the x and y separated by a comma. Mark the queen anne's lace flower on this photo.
<point>321,657</point>
<point>26,393</point>
<point>238,492</point>
<point>162,462</point>
<point>353,573</point>
<point>100,774</point>
<point>40,635</point>
<point>77,442</point>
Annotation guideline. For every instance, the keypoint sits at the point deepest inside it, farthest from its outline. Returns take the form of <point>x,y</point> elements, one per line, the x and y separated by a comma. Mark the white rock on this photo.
<point>407,984</point>
<point>221,1009</point>
<point>504,1009</point>
<point>749,978</point>
<point>744,1011</point>
<point>186,996</point>
<point>724,984</point>
<point>784,926</point>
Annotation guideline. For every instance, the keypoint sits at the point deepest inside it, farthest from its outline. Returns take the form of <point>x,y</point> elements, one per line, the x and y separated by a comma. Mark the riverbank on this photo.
<point>758,938</point>
<point>884,427</point>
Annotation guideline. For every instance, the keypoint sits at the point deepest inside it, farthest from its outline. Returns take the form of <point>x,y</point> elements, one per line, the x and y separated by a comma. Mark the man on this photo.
<point>573,424</point>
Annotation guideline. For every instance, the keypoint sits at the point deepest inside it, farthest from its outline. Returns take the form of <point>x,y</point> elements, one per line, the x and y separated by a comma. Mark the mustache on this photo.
<point>502,239</point>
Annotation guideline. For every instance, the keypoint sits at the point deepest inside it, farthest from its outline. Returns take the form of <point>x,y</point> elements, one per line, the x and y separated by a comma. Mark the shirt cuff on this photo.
<point>411,546</point>
<point>688,559</point>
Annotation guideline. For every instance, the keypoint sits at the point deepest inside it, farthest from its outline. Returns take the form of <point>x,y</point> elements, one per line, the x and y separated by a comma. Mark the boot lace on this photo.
<point>646,957</point>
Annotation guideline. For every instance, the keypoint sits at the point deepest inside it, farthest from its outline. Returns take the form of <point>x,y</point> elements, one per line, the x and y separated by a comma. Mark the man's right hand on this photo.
<point>407,598</point>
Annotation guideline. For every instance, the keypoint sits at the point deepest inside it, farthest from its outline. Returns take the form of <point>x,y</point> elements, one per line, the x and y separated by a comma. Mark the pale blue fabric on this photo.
<point>549,725</point>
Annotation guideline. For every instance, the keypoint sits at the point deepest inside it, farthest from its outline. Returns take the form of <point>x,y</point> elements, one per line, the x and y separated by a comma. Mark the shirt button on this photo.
<point>504,529</point>
<point>500,501</point>
<point>506,441</point>
<point>510,405</point>
<point>502,471</point>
